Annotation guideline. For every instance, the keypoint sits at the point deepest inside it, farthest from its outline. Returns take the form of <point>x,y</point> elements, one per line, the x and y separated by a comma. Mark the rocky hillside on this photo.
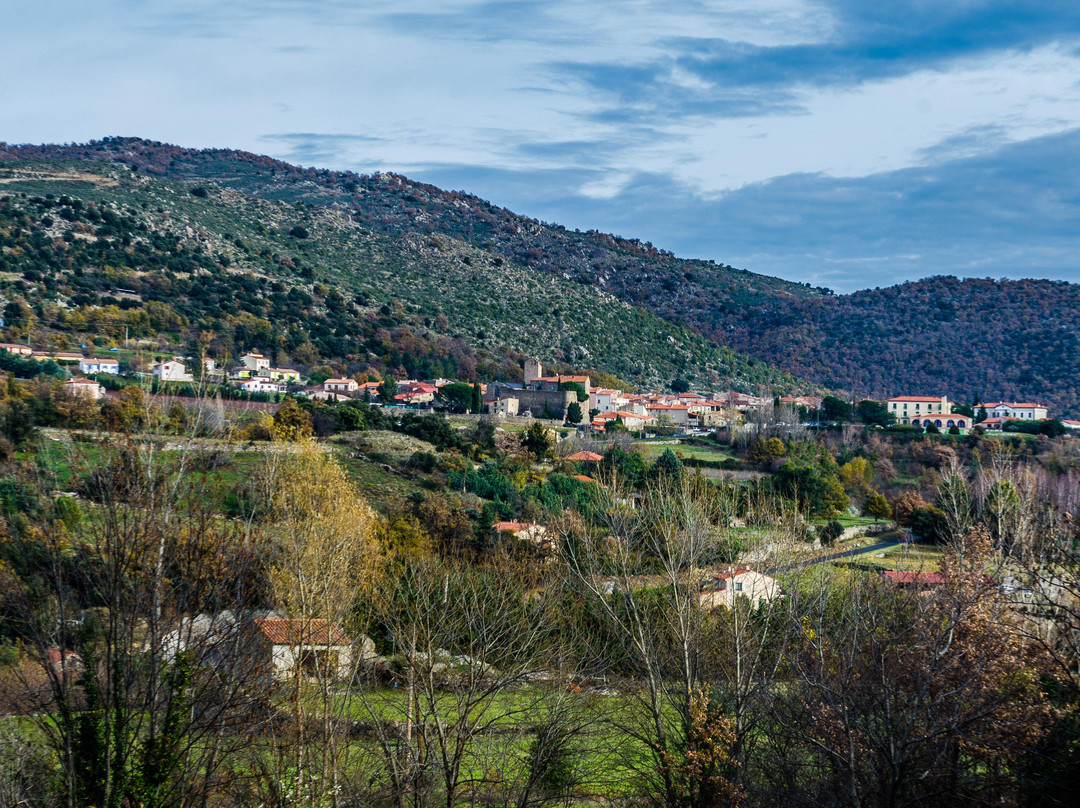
<point>94,250</point>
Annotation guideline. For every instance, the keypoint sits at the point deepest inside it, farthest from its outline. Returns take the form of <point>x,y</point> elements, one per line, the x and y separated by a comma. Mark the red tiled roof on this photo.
<point>933,399</point>
<point>53,656</point>
<point>732,573</point>
<point>513,527</point>
<point>561,378</point>
<point>584,478</point>
<point>587,457</point>
<point>295,632</point>
<point>611,416</point>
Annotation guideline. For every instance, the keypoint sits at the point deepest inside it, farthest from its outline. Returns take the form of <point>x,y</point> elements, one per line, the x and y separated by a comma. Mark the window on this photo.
<point>738,587</point>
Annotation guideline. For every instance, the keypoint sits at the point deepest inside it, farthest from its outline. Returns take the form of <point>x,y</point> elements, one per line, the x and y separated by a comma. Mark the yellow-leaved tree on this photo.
<point>323,535</point>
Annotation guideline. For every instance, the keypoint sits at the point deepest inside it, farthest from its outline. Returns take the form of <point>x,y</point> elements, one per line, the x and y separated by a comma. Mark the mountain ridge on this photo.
<point>939,335</point>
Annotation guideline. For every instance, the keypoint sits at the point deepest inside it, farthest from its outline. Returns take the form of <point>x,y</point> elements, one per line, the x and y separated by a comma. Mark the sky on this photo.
<point>843,143</point>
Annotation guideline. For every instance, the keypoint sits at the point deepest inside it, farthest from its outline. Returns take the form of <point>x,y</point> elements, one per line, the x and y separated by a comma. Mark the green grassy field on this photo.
<point>654,450</point>
<point>381,488</point>
<point>912,556</point>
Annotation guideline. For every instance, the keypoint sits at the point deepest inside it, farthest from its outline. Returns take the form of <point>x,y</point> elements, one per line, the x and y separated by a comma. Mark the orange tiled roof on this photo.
<point>294,632</point>
<point>587,457</point>
<point>513,527</point>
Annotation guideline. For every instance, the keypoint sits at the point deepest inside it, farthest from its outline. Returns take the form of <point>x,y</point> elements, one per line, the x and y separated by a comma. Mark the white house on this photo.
<point>607,399</point>
<point>84,387</point>
<point>99,366</point>
<point>1020,410</point>
<point>632,421</point>
<point>324,395</point>
<point>262,385</point>
<point>677,414</point>
<point>172,371</point>
<point>255,362</point>
<point>736,582</point>
<point>18,350</point>
<point>914,409</point>
<point>270,647</point>
<point>341,385</point>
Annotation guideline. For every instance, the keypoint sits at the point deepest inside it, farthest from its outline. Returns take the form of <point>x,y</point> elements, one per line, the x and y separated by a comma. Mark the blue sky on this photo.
<point>846,143</point>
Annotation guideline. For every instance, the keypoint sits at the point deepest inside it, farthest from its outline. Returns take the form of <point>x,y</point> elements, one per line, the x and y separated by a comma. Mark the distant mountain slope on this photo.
<point>312,283</point>
<point>1003,339</point>
<point>998,339</point>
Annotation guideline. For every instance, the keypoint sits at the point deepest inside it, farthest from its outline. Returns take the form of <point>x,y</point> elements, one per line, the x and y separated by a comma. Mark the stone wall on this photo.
<point>534,400</point>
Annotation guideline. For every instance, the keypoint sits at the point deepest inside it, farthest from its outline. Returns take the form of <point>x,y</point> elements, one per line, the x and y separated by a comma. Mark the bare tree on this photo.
<point>658,621</point>
<point>896,698</point>
<point>464,638</point>
<point>134,703</point>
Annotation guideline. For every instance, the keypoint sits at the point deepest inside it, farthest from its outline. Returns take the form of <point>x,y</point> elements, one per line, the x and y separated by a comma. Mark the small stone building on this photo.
<point>316,647</point>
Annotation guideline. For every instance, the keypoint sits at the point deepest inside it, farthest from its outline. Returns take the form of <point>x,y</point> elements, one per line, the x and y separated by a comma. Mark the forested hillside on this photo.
<point>995,339</point>
<point>98,251</point>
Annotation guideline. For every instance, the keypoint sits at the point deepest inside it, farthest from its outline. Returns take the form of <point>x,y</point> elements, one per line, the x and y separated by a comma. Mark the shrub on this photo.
<point>424,461</point>
<point>830,532</point>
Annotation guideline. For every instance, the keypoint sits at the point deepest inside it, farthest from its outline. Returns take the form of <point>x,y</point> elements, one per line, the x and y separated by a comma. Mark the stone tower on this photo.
<point>533,370</point>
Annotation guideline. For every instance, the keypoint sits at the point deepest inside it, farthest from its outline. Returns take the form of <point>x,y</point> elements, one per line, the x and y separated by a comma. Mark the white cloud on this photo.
<point>883,125</point>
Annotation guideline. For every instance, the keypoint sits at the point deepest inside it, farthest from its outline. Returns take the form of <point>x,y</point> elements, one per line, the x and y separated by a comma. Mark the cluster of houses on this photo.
<point>547,396</point>
<point>550,396</point>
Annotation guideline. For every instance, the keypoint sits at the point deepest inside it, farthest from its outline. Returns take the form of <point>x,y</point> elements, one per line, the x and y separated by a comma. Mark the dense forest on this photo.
<point>976,337</point>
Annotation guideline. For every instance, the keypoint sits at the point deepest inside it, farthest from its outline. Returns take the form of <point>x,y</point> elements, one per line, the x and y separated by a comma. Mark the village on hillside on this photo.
<point>569,398</point>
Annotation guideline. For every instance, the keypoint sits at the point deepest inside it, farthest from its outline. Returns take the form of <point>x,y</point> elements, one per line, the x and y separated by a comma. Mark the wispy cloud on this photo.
<point>1010,213</point>
<point>312,148</point>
